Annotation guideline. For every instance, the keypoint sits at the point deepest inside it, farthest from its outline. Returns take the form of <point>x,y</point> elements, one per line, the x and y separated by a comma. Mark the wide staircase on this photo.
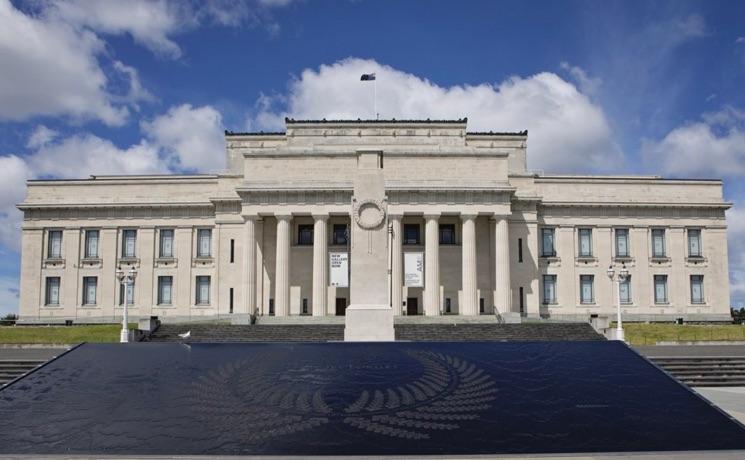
<point>707,371</point>
<point>458,332</point>
<point>13,368</point>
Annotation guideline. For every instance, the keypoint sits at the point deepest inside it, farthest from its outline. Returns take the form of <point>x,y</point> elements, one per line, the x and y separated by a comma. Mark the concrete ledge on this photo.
<point>369,323</point>
<point>299,320</point>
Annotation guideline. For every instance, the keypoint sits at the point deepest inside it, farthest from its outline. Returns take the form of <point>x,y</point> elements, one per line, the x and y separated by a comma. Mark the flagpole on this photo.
<point>375,98</point>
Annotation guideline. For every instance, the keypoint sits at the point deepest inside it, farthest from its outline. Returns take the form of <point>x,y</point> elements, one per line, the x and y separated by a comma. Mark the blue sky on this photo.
<point>91,86</point>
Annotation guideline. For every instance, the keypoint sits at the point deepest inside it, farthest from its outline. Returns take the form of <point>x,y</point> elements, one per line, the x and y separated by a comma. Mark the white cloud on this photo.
<point>192,138</point>
<point>49,68</point>
<point>185,138</point>
<point>568,132</point>
<point>588,85</point>
<point>13,174</point>
<point>8,295</point>
<point>740,40</point>
<point>713,147</point>
<point>41,136</point>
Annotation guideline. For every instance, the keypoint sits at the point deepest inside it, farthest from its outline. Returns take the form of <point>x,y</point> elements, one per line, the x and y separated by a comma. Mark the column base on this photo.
<point>369,323</point>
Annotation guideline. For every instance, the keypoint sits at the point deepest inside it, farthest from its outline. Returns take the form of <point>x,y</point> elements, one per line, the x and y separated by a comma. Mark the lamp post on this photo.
<point>125,279</point>
<point>618,278</point>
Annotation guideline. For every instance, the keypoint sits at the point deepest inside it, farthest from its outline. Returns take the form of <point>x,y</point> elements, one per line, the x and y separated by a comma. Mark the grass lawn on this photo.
<point>650,334</point>
<point>61,334</point>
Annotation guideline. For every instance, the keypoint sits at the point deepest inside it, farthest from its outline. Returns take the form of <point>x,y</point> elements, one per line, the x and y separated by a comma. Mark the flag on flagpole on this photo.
<point>367,77</point>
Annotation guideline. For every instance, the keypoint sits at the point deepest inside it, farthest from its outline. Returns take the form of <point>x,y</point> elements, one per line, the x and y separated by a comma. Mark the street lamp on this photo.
<point>125,279</point>
<point>620,278</point>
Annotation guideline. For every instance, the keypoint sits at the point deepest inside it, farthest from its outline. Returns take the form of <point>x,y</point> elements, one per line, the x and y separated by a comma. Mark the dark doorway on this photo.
<point>341,306</point>
<point>412,306</point>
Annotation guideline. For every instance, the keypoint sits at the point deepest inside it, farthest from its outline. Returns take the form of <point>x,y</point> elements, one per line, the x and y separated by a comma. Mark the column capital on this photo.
<point>432,215</point>
<point>497,217</point>
<point>320,215</point>
<point>468,216</point>
<point>396,215</point>
<point>283,216</point>
<point>252,217</point>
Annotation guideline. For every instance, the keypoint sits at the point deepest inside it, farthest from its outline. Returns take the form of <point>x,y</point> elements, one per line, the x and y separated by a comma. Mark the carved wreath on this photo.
<point>369,213</point>
<point>448,392</point>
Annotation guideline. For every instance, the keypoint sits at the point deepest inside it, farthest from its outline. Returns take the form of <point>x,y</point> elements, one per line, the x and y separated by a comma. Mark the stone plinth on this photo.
<point>369,323</point>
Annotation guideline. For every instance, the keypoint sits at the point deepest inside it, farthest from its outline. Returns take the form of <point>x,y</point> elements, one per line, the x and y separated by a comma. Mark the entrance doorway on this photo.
<point>341,306</point>
<point>412,306</point>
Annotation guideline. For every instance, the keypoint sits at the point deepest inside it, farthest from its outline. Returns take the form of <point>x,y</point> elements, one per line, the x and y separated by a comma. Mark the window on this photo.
<point>203,290</point>
<point>204,242</point>
<point>447,234</point>
<point>622,242</point>
<point>448,305</point>
<point>520,250</point>
<point>90,285</point>
<point>697,289</point>
<point>130,294</point>
<point>165,289</point>
<point>411,234</point>
<point>660,288</point>
<point>54,249</point>
<point>129,240</point>
<point>694,242</point>
<point>91,244</point>
<point>624,291</point>
<point>658,242</point>
<point>305,306</point>
<point>481,305</point>
<point>232,251</point>
<point>522,301</point>
<point>549,289</point>
<point>305,235</point>
<point>339,235</point>
<point>547,239</point>
<point>52,291</point>
<point>586,289</point>
<point>166,243</point>
<point>231,300</point>
<point>271,306</point>
<point>585,242</point>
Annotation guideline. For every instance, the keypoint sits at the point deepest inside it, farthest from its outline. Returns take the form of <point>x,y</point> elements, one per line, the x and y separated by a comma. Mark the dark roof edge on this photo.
<point>252,133</point>
<point>497,133</point>
<point>390,120</point>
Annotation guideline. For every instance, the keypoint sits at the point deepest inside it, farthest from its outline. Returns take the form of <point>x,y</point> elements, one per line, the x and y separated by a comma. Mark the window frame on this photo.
<point>47,291</point>
<point>584,231</point>
<point>339,234</point>
<point>582,280</point>
<point>125,232</point>
<point>702,300</point>
<point>198,300</point>
<point>50,246</point>
<point>86,242</point>
<point>200,252</point>
<point>627,233</point>
<point>700,242</point>
<point>305,234</point>
<point>412,242</point>
<point>656,255</point>
<point>452,241</point>
<point>161,238</point>
<point>552,232</point>
<point>130,296</point>
<point>630,300</point>
<point>159,298</point>
<point>86,301</point>
<point>664,278</point>
<point>554,281</point>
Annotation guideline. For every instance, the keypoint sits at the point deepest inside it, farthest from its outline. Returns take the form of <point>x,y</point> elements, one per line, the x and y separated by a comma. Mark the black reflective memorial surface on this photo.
<point>353,398</point>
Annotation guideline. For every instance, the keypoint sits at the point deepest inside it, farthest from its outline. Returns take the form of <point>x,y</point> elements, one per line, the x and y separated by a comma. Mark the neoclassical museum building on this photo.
<point>471,232</point>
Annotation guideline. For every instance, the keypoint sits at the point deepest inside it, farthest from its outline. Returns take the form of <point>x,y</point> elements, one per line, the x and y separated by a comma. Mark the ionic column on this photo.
<point>502,295</point>
<point>469,298</point>
<point>432,265</point>
<point>249,261</point>
<point>396,264</point>
<point>320,255</point>
<point>282,268</point>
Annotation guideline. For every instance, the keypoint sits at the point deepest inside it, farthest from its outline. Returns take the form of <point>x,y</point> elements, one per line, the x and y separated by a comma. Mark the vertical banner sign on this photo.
<point>339,269</point>
<point>413,269</point>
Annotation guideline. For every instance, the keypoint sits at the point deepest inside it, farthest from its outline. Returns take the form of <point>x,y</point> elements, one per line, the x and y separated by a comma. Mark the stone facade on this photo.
<point>494,235</point>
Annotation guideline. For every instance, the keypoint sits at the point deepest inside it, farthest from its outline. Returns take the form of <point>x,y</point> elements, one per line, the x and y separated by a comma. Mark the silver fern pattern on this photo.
<point>264,405</point>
